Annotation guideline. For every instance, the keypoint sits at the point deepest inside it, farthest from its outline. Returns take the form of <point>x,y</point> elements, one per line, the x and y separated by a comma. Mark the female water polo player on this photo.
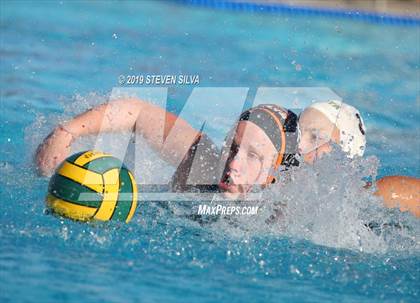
<point>325,123</point>
<point>264,139</point>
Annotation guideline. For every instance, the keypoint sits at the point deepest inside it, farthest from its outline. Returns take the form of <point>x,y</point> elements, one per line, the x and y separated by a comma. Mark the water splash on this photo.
<point>326,203</point>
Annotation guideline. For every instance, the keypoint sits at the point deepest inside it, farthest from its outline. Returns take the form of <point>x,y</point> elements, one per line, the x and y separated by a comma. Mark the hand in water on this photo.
<point>53,150</point>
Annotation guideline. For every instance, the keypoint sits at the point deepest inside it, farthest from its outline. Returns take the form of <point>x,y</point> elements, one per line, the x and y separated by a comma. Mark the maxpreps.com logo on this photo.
<point>215,210</point>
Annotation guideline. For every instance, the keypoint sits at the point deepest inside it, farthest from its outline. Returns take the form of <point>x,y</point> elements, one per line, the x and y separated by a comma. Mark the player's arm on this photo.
<point>400,191</point>
<point>118,116</point>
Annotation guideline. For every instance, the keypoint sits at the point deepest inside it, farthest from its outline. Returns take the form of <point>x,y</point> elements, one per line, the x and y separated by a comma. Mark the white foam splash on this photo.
<point>328,204</point>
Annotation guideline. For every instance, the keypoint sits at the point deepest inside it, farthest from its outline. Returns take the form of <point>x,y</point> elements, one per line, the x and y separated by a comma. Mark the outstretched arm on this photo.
<point>117,116</point>
<point>400,191</point>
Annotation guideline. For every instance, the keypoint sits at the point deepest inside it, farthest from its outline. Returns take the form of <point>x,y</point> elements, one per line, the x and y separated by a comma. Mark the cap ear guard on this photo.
<point>288,160</point>
<point>289,134</point>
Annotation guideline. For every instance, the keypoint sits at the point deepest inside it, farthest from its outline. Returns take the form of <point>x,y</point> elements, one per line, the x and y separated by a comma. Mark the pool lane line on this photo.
<point>280,8</point>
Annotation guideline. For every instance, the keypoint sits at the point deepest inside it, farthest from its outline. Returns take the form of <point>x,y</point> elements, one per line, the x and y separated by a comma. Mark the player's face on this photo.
<point>249,156</point>
<point>316,135</point>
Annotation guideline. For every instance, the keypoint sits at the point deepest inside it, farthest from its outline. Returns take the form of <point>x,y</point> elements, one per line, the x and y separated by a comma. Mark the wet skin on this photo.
<point>248,160</point>
<point>317,134</point>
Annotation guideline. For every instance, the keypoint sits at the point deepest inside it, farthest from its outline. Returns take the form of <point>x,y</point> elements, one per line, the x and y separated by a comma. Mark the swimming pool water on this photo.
<point>59,57</point>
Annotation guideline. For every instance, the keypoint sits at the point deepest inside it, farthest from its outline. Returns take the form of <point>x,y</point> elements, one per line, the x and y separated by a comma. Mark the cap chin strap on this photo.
<point>271,178</point>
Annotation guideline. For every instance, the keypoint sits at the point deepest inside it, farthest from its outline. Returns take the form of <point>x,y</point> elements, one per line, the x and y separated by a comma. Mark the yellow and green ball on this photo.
<point>93,185</point>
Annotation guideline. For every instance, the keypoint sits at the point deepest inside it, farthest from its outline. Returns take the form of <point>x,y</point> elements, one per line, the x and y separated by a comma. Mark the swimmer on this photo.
<point>325,123</point>
<point>263,140</point>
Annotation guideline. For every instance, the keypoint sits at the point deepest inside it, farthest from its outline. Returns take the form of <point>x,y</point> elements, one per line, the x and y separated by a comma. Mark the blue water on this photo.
<point>58,57</point>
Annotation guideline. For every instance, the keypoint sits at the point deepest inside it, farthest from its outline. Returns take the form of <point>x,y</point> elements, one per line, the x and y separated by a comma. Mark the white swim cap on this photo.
<point>349,122</point>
